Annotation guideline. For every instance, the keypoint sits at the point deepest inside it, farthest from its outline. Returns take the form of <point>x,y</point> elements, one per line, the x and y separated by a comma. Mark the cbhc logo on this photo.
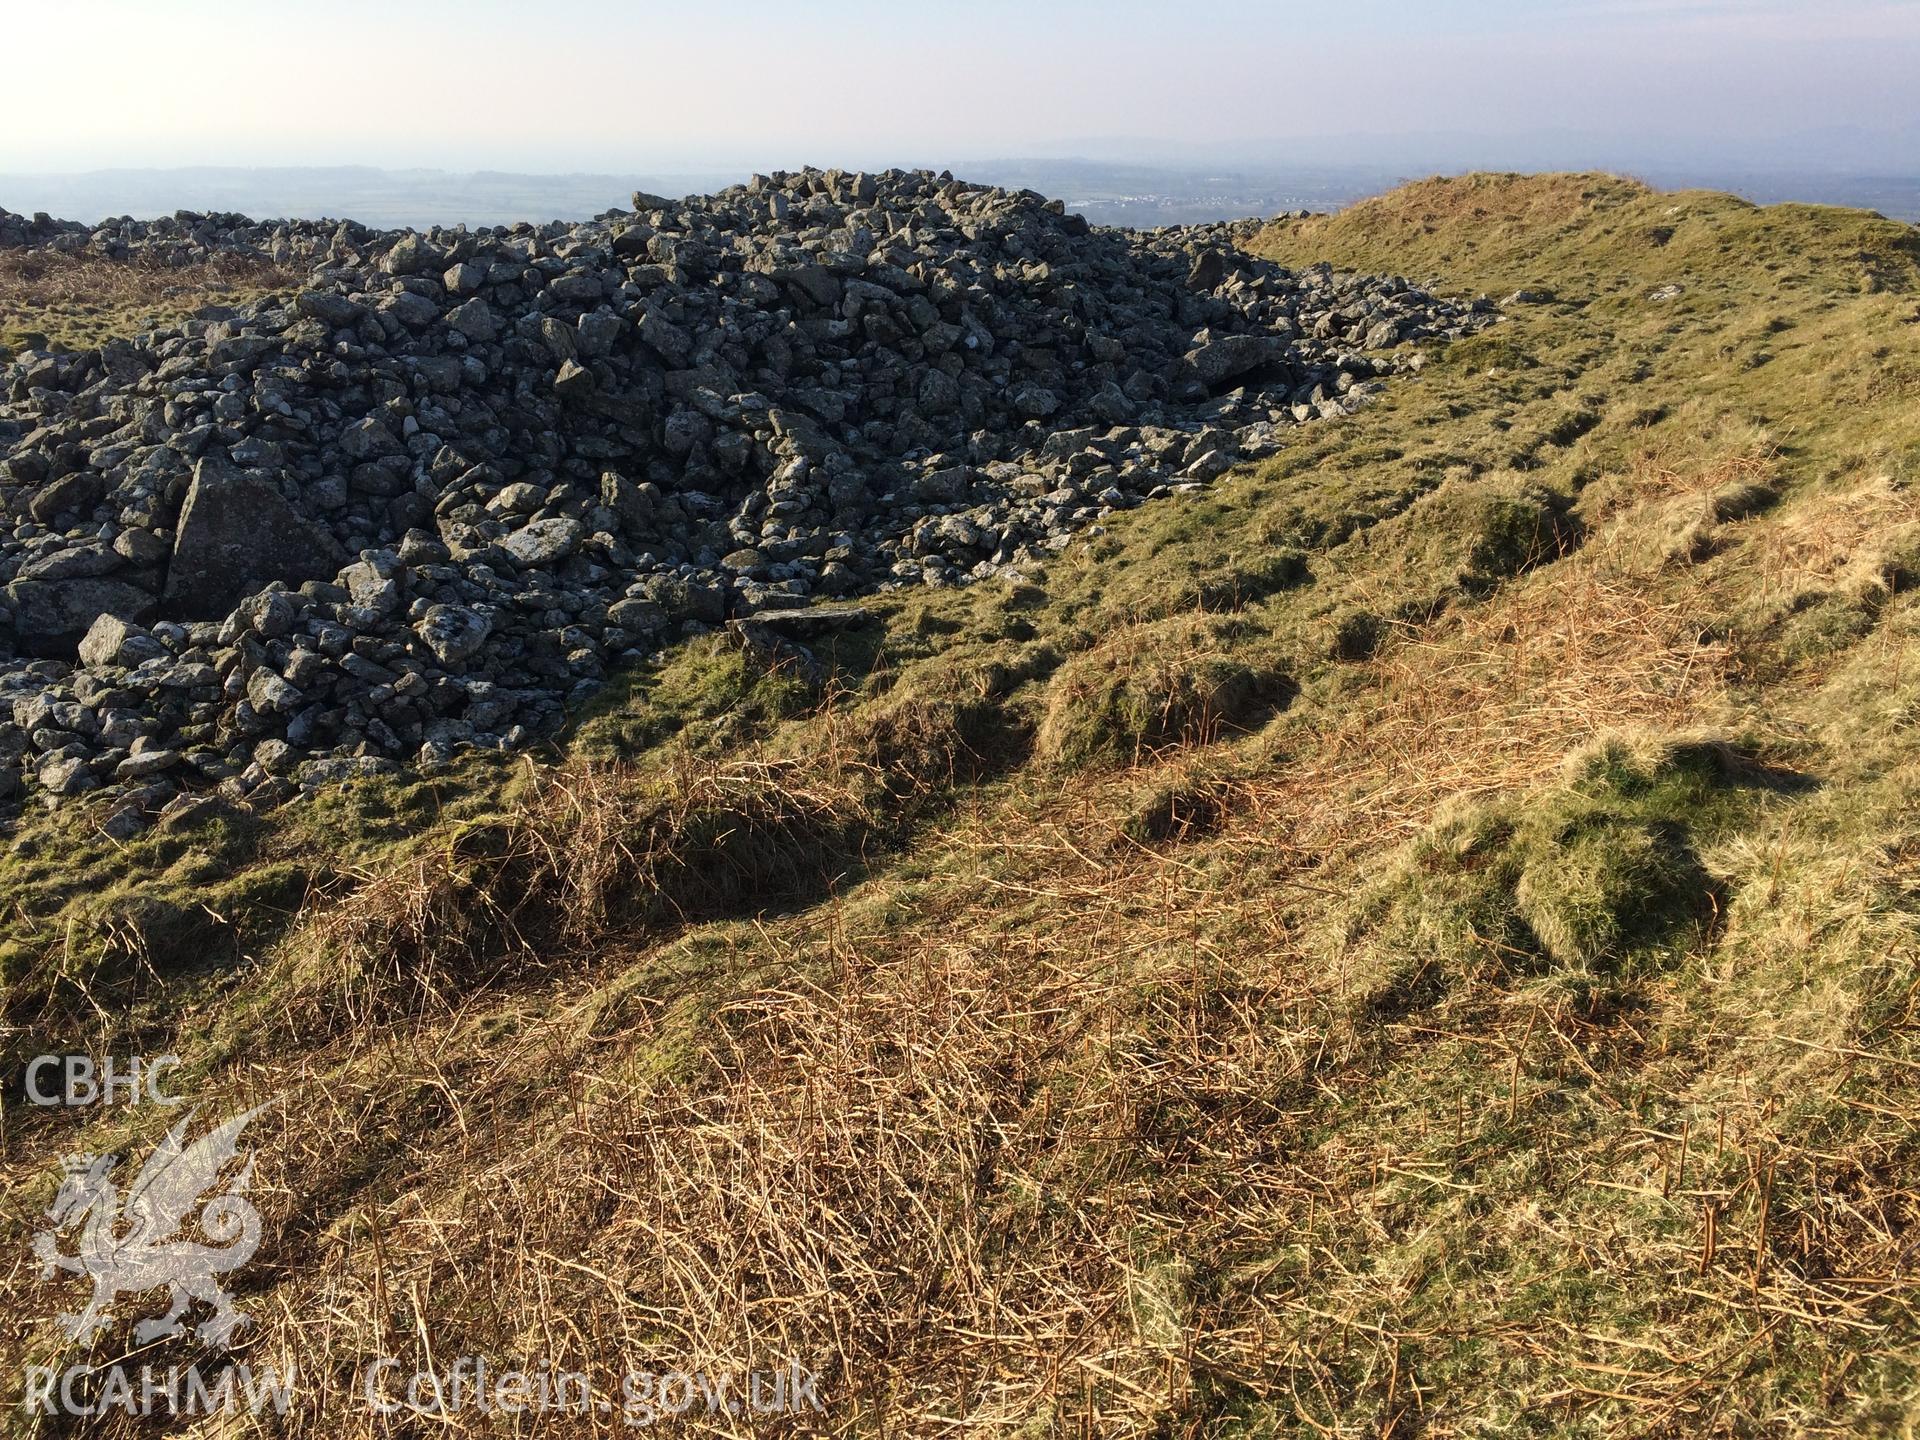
<point>75,1080</point>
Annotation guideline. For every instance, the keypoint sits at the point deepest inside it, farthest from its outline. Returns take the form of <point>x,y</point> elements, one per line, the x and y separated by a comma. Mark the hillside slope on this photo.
<point>1417,939</point>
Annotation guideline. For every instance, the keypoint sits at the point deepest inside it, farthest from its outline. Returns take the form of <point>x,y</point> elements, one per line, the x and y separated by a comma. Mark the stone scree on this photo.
<point>437,496</point>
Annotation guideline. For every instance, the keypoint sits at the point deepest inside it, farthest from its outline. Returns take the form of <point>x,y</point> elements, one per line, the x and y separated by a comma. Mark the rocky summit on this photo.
<point>436,496</point>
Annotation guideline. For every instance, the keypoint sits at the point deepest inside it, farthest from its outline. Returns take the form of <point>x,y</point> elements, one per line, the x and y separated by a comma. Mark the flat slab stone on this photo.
<point>805,624</point>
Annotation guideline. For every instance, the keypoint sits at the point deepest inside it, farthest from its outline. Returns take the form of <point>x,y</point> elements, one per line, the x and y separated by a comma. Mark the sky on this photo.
<point>602,85</point>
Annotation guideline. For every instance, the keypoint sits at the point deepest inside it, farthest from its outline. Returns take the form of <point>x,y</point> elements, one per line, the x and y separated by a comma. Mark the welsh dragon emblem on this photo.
<point>127,1247</point>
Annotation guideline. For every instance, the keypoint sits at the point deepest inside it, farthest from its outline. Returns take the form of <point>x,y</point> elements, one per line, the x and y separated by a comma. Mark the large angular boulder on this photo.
<point>328,307</point>
<point>77,562</point>
<point>236,534</point>
<point>1234,355</point>
<point>69,495</point>
<point>51,617</point>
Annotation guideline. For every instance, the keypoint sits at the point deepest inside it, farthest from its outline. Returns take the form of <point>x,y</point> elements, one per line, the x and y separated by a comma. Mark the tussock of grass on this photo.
<point>1152,688</point>
<point>590,849</point>
<point>1587,877</point>
<point>1178,807</point>
<point>1237,581</point>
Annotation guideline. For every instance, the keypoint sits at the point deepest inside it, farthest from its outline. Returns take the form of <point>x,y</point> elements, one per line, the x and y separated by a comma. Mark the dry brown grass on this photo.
<point>931,1164</point>
<point>977,1170</point>
<point>587,849</point>
<point>1535,200</point>
<point>1840,541</point>
<point>1492,699</point>
<point>79,300</point>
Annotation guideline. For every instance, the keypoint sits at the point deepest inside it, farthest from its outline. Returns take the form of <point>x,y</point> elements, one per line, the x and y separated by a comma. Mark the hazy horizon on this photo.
<point>605,87</point>
<point>1106,193</point>
<point>1133,113</point>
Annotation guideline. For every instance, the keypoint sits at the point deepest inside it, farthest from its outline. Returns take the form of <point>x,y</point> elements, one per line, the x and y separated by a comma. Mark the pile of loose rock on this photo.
<point>442,492</point>
<point>187,238</point>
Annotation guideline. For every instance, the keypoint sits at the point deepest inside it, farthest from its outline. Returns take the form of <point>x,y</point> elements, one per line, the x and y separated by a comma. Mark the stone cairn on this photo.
<point>435,497</point>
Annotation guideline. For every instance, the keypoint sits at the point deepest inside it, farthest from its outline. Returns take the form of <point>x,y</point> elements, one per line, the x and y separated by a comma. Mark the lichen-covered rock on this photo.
<point>454,634</point>
<point>112,641</point>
